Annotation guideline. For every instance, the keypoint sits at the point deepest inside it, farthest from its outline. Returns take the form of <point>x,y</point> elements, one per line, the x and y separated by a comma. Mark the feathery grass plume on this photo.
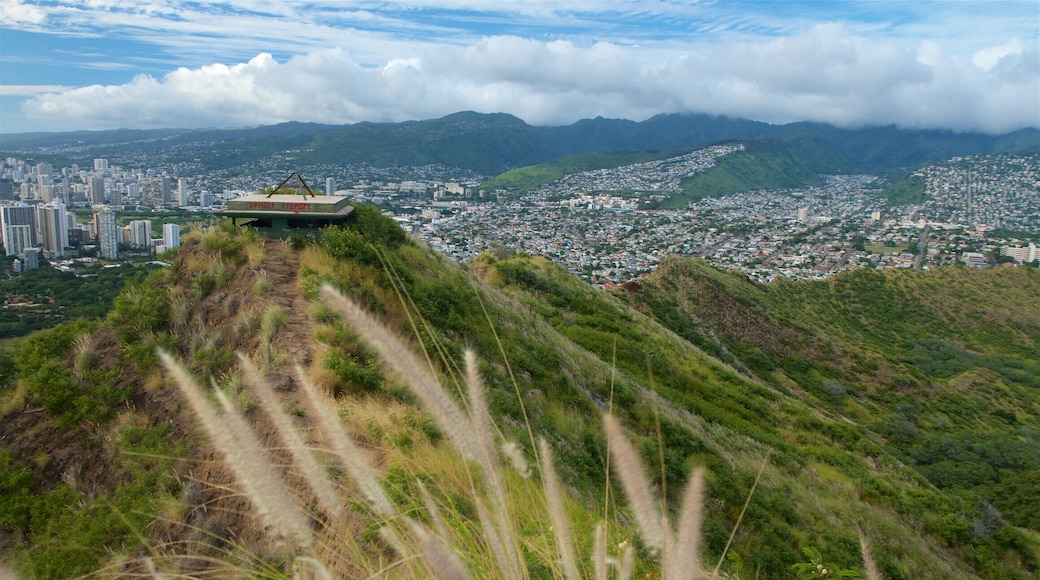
<point>443,563</point>
<point>599,552</point>
<point>85,354</point>
<point>417,376</point>
<point>557,512</point>
<point>273,321</point>
<point>435,512</point>
<point>255,253</point>
<point>682,561</point>
<point>628,562</point>
<point>350,456</point>
<point>402,362</point>
<point>262,283</point>
<point>516,458</point>
<point>482,426</point>
<point>870,569</point>
<point>478,408</point>
<point>506,565</point>
<point>251,467</point>
<point>312,472</point>
<point>148,564</point>
<point>392,540</point>
<point>319,570</point>
<point>263,476</point>
<point>635,483</point>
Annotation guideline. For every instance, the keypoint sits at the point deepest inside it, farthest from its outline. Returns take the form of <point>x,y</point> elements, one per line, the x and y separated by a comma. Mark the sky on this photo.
<point>104,64</point>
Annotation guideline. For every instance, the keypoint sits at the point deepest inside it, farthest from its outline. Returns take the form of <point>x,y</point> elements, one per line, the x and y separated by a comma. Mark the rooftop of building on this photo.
<point>284,205</point>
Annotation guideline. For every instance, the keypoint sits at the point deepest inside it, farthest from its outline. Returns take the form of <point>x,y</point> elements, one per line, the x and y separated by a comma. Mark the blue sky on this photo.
<point>103,64</point>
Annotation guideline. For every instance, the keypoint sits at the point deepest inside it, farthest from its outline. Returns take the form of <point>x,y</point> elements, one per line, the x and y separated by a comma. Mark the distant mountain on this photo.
<point>493,143</point>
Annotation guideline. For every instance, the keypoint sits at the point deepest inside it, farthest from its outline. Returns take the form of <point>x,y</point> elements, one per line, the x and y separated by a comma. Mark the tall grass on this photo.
<point>442,538</point>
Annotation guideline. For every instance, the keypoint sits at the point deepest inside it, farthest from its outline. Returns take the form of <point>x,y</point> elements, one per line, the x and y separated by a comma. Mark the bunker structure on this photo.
<point>276,214</point>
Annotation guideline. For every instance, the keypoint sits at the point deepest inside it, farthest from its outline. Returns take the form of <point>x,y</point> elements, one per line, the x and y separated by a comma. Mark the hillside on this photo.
<point>942,366</point>
<point>531,177</point>
<point>763,164</point>
<point>103,465</point>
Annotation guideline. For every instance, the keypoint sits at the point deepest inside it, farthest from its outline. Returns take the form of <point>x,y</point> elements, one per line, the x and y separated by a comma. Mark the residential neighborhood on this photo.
<point>979,211</point>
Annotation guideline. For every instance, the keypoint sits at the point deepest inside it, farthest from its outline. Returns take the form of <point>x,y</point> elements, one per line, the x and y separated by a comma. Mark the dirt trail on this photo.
<point>283,272</point>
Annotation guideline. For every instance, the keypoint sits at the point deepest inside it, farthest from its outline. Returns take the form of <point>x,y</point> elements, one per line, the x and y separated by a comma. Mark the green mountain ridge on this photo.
<point>853,391</point>
<point>493,143</point>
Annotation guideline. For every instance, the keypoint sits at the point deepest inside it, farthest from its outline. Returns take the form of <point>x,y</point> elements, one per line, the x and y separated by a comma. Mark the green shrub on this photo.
<point>16,494</point>
<point>349,369</point>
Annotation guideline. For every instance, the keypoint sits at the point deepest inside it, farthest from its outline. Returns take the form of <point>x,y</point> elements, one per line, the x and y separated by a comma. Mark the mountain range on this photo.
<point>490,144</point>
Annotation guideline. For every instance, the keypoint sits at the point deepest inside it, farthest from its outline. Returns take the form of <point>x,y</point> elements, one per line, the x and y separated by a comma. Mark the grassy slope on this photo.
<point>574,352</point>
<point>763,165</point>
<point>532,177</point>
<point>907,191</point>
<point>938,368</point>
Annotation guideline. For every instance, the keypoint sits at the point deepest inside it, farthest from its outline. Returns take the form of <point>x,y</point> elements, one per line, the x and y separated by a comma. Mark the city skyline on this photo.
<point>963,66</point>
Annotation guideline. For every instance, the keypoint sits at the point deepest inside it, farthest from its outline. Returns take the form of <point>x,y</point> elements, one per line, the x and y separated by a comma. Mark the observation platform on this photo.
<point>277,215</point>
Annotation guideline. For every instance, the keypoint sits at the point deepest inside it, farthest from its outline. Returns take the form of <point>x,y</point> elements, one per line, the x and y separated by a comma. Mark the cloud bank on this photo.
<point>361,64</point>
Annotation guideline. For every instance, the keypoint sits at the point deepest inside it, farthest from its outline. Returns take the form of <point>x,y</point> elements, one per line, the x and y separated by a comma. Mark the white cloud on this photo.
<point>16,12</point>
<point>828,72</point>
<point>29,90</point>
<point>990,58</point>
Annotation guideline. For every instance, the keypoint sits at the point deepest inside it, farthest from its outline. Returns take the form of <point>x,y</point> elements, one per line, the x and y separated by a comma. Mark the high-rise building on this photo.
<point>32,259</point>
<point>141,234</point>
<point>330,185</point>
<point>166,191</point>
<point>171,234</point>
<point>46,193</point>
<point>205,199</point>
<point>115,195</point>
<point>101,165</point>
<point>6,189</point>
<point>109,234</point>
<point>183,192</point>
<point>44,173</point>
<point>18,224</point>
<point>133,192</point>
<point>54,229</point>
<point>97,190</point>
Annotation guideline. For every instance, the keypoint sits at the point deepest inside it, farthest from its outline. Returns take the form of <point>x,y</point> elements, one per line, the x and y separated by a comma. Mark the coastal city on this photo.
<point>601,225</point>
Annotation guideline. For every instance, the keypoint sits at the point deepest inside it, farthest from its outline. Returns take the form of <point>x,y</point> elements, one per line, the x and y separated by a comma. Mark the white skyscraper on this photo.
<point>182,192</point>
<point>133,192</point>
<point>330,185</point>
<point>171,234</point>
<point>141,234</point>
<point>44,173</point>
<point>18,226</point>
<point>54,229</point>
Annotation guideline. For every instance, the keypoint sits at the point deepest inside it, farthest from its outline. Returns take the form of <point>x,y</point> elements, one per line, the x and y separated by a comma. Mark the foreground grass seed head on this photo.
<point>473,436</point>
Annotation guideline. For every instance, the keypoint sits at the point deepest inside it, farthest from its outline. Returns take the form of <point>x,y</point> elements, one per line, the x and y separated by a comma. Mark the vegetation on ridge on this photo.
<point>557,354</point>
